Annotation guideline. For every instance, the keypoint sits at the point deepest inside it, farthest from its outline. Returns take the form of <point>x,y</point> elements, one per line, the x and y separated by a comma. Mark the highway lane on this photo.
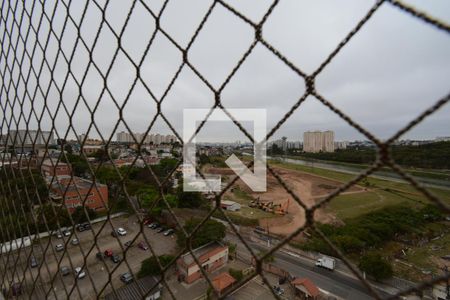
<point>335,282</point>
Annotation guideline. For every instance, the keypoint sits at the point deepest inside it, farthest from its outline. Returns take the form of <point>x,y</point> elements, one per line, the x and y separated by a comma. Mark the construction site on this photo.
<point>276,209</point>
<point>270,207</point>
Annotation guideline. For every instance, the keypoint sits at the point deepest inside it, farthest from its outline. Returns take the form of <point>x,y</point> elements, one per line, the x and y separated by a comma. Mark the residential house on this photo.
<point>53,167</point>
<point>74,191</point>
<point>305,288</point>
<point>147,286</point>
<point>211,256</point>
<point>222,282</point>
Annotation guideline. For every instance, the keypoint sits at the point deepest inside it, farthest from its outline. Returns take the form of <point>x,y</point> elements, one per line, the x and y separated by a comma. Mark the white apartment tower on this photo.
<point>123,137</point>
<point>126,137</point>
<point>318,141</point>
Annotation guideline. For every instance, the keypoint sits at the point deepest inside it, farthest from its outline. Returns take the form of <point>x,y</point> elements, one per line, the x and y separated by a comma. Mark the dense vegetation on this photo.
<point>375,265</point>
<point>210,231</point>
<point>371,231</point>
<point>81,214</point>
<point>149,266</point>
<point>429,156</point>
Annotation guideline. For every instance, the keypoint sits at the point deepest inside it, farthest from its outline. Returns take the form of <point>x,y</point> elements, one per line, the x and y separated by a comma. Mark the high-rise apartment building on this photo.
<point>318,141</point>
<point>82,137</point>
<point>123,137</point>
<point>126,137</point>
<point>27,138</point>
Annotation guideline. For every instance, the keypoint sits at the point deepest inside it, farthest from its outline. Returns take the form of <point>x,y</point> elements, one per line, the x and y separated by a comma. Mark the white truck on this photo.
<point>326,262</point>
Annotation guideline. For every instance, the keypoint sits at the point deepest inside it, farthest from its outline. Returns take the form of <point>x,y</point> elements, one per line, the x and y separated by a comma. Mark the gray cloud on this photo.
<point>391,71</point>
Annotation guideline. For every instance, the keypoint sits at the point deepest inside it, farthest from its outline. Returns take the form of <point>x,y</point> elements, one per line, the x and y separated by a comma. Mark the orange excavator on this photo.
<point>282,209</point>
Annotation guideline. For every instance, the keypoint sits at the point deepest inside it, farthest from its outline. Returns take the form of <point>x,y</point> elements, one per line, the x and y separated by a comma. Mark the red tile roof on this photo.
<point>308,284</point>
<point>222,281</point>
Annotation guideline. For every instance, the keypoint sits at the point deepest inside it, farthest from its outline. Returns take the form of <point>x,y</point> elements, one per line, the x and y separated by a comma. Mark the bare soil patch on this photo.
<point>309,188</point>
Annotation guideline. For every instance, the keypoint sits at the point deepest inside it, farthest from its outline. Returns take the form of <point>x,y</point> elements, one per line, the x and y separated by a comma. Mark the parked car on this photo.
<point>160,229</point>
<point>66,233</point>
<point>100,255</point>
<point>74,241</point>
<point>79,273</point>
<point>108,253</point>
<point>59,247</point>
<point>142,245</point>
<point>169,232</point>
<point>128,243</point>
<point>151,225</point>
<point>83,227</point>
<point>278,290</point>
<point>58,234</point>
<point>121,231</point>
<point>147,221</point>
<point>64,270</point>
<point>114,233</point>
<point>154,226</point>
<point>115,258</point>
<point>33,262</point>
<point>126,277</point>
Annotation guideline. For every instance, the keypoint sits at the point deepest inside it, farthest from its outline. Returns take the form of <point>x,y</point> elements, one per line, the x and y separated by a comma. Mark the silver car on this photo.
<point>79,273</point>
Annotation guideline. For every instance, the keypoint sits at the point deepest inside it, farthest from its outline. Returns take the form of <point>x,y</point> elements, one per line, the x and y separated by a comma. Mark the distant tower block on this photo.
<point>318,141</point>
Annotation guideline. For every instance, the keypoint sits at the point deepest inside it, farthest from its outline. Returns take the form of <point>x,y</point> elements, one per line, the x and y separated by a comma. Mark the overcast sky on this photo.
<point>391,71</point>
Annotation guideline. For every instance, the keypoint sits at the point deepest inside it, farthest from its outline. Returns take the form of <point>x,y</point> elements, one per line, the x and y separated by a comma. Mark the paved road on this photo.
<point>385,175</point>
<point>335,283</point>
<point>97,271</point>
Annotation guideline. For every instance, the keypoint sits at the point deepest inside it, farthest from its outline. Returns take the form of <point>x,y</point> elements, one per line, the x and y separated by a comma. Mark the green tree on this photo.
<point>210,231</point>
<point>79,164</point>
<point>189,199</point>
<point>149,266</point>
<point>204,159</point>
<point>374,265</point>
<point>51,216</point>
<point>28,183</point>
<point>237,274</point>
<point>275,150</point>
<point>79,215</point>
<point>107,175</point>
<point>101,155</point>
<point>232,249</point>
<point>147,196</point>
<point>68,148</point>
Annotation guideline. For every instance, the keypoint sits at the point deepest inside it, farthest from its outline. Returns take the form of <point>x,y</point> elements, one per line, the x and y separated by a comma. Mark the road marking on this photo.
<point>292,254</point>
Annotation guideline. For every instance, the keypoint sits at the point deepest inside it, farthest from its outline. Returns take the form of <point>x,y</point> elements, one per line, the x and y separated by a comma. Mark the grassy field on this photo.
<point>382,192</point>
<point>353,205</point>
<point>244,199</point>
<point>425,173</point>
<point>417,262</point>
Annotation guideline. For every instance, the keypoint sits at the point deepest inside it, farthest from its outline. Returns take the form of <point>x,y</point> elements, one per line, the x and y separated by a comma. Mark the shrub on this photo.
<point>210,231</point>
<point>374,265</point>
<point>150,266</point>
<point>237,274</point>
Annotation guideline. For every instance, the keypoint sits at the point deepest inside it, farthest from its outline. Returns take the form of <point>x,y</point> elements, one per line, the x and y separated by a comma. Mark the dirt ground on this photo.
<point>309,188</point>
